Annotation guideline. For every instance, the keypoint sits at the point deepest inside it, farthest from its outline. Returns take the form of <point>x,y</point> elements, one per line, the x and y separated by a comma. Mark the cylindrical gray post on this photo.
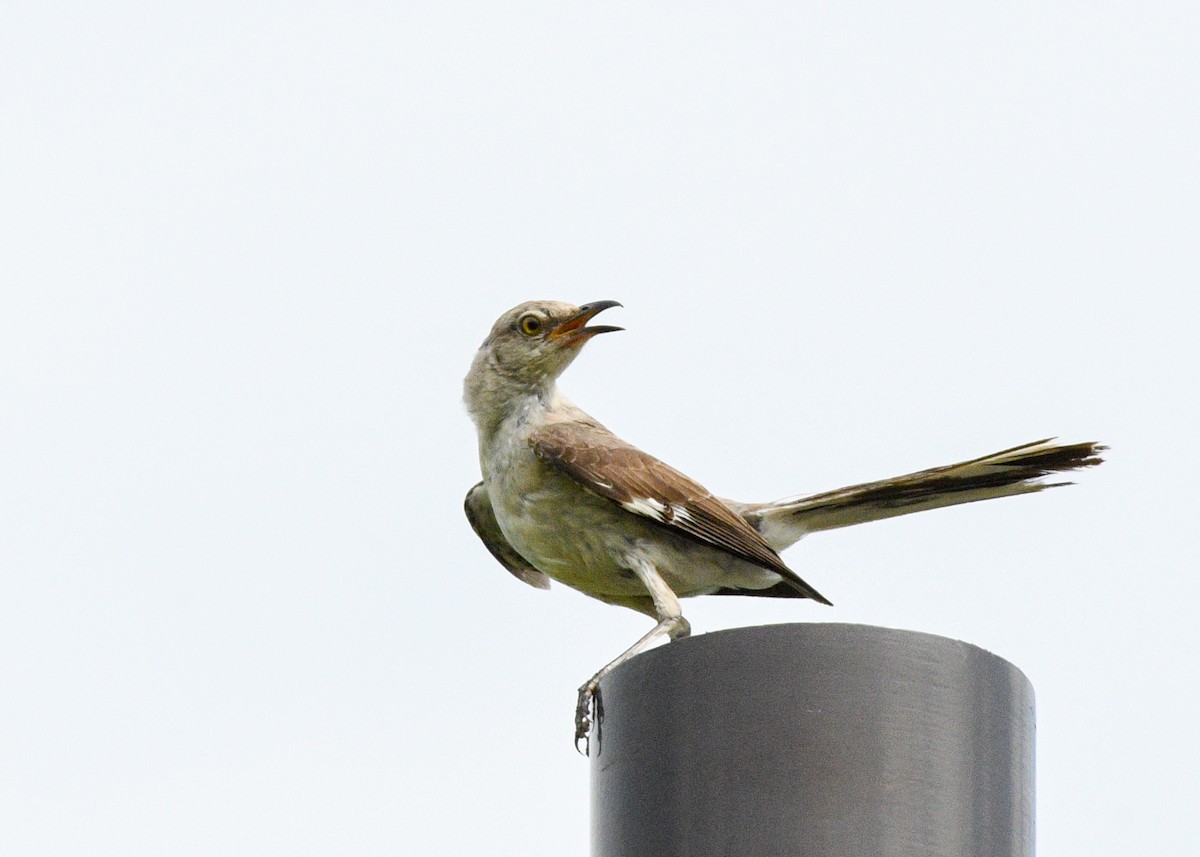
<point>830,740</point>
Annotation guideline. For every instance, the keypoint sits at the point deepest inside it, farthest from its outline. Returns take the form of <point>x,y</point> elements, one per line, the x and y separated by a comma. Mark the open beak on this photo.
<point>575,331</point>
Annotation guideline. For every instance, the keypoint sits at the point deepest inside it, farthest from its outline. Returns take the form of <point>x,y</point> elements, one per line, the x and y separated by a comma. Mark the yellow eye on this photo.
<point>530,325</point>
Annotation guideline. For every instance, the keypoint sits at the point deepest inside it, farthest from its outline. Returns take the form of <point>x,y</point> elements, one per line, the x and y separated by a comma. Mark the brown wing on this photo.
<point>478,507</point>
<point>643,485</point>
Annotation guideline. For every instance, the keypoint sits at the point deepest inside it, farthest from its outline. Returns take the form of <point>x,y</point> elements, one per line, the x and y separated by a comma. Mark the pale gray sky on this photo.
<point>248,253</point>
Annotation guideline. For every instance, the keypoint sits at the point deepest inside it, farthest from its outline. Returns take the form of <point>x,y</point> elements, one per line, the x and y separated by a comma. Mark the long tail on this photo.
<point>1019,470</point>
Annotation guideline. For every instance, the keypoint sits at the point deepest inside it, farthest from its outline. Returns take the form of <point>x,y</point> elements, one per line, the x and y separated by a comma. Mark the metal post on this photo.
<point>830,740</point>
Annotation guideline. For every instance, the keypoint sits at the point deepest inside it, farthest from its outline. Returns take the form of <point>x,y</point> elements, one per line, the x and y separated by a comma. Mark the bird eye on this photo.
<point>530,325</point>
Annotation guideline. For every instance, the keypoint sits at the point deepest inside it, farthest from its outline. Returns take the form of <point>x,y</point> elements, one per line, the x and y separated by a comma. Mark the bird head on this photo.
<point>528,348</point>
<point>537,340</point>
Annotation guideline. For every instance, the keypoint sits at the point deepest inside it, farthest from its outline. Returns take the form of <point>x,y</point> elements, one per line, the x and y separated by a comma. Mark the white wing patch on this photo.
<point>680,513</point>
<point>647,506</point>
<point>663,513</point>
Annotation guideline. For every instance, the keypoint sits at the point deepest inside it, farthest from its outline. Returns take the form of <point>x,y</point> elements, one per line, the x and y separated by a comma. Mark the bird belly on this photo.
<point>582,548</point>
<point>589,543</point>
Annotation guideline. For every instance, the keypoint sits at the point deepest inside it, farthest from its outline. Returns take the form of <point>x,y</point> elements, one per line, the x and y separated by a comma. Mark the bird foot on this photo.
<point>588,699</point>
<point>675,627</point>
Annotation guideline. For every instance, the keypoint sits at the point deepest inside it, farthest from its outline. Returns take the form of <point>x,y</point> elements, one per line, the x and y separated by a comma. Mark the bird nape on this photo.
<point>563,498</point>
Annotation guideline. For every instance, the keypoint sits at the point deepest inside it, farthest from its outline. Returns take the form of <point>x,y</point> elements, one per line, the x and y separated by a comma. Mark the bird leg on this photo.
<point>670,623</point>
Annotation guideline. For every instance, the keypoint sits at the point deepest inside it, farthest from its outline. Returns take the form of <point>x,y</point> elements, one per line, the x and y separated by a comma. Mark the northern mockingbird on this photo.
<point>563,498</point>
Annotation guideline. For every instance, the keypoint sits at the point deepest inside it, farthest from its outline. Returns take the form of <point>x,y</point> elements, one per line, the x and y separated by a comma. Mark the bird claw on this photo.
<point>588,696</point>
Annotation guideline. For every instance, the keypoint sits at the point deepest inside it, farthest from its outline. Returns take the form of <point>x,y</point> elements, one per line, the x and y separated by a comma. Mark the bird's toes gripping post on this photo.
<point>588,701</point>
<point>583,715</point>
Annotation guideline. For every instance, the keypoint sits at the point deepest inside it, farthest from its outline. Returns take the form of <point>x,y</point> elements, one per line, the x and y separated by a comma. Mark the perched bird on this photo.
<point>563,498</point>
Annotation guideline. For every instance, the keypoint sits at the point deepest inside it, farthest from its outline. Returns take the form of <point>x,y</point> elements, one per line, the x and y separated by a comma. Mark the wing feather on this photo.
<point>643,485</point>
<point>482,517</point>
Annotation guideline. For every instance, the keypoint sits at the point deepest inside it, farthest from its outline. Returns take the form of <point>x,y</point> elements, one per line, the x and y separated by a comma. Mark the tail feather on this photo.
<point>1019,470</point>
